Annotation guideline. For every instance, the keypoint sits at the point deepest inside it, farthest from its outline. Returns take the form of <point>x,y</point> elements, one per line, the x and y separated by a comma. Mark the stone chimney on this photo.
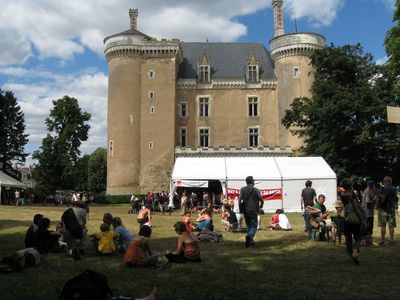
<point>278,17</point>
<point>133,14</point>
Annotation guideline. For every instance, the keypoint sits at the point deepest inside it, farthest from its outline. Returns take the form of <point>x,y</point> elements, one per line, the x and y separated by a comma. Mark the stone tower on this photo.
<point>141,93</point>
<point>291,54</point>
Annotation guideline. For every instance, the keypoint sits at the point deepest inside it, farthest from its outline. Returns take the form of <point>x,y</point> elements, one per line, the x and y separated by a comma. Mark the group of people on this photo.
<point>354,214</point>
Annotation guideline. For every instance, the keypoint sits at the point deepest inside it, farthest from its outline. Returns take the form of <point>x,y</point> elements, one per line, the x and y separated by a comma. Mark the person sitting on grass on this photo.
<point>337,218</point>
<point>187,249</point>
<point>279,221</point>
<point>105,237</point>
<point>47,240</point>
<point>108,218</point>
<point>228,219</point>
<point>139,253</point>
<point>186,221</point>
<point>144,216</point>
<point>125,236</point>
<point>205,220</point>
<point>30,233</point>
<point>74,221</point>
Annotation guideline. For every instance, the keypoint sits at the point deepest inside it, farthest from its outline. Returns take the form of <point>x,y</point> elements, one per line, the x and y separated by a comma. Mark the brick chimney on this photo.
<point>133,14</point>
<point>278,17</point>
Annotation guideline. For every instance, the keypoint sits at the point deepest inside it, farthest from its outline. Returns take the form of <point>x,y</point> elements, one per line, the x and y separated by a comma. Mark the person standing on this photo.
<point>387,206</point>
<point>308,198</point>
<point>368,204</point>
<point>250,198</point>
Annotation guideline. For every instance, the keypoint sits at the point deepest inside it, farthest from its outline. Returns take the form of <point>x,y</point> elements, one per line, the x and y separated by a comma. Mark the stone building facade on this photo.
<point>169,98</point>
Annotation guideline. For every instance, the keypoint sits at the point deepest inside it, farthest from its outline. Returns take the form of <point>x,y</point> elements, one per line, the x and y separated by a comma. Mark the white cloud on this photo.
<point>35,98</point>
<point>318,12</point>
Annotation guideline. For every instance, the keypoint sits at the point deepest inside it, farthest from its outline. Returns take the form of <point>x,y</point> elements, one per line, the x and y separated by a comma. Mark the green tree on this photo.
<point>345,120</point>
<point>60,152</point>
<point>392,43</point>
<point>80,173</point>
<point>12,130</point>
<point>97,170</point>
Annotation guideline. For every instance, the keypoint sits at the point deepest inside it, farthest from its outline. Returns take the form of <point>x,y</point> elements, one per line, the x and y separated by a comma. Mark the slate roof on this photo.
<point>228,60</point>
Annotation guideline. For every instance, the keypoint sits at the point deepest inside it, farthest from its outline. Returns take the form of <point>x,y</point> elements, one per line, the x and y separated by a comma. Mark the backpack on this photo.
<point>87,286</point>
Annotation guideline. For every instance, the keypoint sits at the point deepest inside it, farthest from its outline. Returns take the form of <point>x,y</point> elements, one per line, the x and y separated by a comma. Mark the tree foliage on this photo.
<point>392,43</point>
<point>97,170</point>
<point>12,130</point>
<point>345,120</point>
<point>59,154</point>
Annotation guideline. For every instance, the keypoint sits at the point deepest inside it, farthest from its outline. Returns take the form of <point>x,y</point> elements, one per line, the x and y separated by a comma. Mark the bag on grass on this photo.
<point>88,286</point>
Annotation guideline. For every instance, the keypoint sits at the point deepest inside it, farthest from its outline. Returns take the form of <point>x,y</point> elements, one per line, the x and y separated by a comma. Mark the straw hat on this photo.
<point>338,203</point>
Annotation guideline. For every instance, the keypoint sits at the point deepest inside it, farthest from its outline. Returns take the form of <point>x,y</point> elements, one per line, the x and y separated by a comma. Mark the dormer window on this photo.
<point>252,73</point>
<point>252,66</point>
<point>204,74</point>
<point>204,69</point>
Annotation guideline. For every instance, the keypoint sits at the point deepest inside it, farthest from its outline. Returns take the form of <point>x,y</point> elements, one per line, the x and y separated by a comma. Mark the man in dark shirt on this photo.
<point>308,197</point>
<point>252,198</point>
<point>387,206</point>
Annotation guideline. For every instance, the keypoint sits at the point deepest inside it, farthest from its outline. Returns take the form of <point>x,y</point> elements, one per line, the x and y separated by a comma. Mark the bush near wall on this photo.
<point>115,199</point>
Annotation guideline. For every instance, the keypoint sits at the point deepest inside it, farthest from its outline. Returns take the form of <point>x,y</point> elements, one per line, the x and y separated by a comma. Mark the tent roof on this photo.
<point>199,168</point>
<point>258,167</point>
<point>261,168</point>
<point>304,167</point>
<point>8,181</point>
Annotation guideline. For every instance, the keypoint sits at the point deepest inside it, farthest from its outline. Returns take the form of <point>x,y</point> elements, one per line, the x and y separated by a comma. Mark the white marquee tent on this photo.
<point>8,181</point>
<point>280,179</point>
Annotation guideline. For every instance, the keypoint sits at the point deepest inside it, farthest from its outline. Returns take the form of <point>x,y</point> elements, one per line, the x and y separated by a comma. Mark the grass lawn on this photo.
<point>282,265</point>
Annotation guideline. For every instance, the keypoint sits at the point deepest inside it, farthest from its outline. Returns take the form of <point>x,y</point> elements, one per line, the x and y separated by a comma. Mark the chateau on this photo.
<point>170,98</point>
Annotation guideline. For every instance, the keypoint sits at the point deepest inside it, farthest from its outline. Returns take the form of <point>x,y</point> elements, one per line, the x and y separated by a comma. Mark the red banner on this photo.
<point>266,194</point>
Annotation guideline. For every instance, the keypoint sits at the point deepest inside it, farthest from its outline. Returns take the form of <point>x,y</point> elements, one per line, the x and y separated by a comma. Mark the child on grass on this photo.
<point>105,237</point>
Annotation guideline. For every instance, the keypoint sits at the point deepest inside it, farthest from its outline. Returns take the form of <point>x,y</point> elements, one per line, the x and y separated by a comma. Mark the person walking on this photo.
<point>251,202</point>
<point>353,219</point>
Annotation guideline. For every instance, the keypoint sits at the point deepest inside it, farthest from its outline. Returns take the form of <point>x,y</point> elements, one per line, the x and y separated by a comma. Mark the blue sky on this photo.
<point>51,48</point>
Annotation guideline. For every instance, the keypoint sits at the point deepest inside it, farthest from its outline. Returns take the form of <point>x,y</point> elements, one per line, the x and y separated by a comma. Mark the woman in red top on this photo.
<point>188,247</point>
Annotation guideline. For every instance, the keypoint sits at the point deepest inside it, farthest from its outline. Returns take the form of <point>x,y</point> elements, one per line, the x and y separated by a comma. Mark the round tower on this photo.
<point>141,92</point>
<point>291,54</point>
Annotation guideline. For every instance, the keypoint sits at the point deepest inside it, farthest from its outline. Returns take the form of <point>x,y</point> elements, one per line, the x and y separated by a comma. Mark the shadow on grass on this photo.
<point>281,265</point>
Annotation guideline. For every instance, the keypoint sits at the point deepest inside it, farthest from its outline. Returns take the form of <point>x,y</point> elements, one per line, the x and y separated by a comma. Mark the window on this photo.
<point>183,109</point>
<point>152,95</point>
<point>296,72</point>
<point>182,137</point>
<point>151,145</point>
<point>151,74</point>
<point>152,109</point>
<point>203,106</point>
<point>252,73</point>
<point>131,119</point>
<point>110,148</point>
<point>253,137</point>
<point>204,137</point>
<point>204,73</point>
<point>253,106</point>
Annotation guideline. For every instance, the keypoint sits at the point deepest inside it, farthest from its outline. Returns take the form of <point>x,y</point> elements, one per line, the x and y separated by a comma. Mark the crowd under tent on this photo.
<point>279,179</point>
<point>9,182</point>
